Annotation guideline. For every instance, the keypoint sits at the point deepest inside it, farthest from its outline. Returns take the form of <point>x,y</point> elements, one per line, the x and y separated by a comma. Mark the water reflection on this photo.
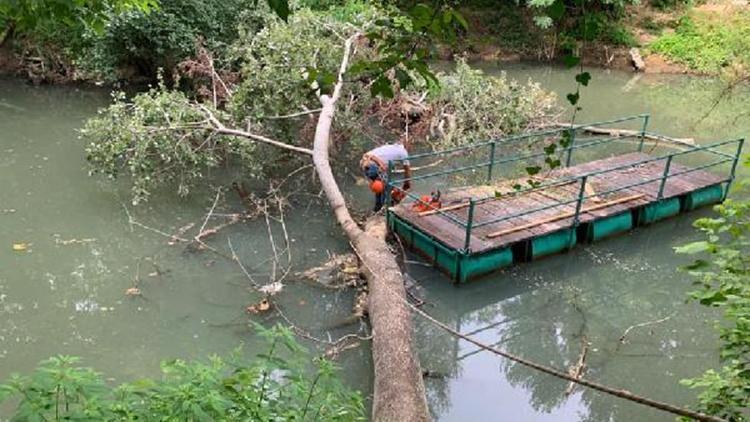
<point>545,311</point>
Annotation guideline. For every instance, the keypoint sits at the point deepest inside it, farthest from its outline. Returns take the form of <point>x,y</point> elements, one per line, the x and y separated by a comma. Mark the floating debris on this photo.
<point>259,307</point>
<point>133,291</point>
<point>271,289</point>
<point>73,241</point>
<point>86,305</point>
<point>21,247</point>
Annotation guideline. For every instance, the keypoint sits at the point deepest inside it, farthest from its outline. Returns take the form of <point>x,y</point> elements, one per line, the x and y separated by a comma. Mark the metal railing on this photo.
<point>469,224</point>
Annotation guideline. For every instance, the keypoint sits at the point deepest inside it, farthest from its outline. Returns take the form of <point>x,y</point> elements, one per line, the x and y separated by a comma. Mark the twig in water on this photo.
<point>236,259</point>
<point>643,324</point>
<point>208,216</point>
<point>580,367</point>
<point>335,347</point>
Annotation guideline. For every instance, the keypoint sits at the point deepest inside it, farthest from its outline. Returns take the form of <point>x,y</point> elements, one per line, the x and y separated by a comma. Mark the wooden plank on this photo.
<point>568,214</point>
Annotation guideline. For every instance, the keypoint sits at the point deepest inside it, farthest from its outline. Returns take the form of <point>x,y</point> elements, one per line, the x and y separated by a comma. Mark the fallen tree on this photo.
<point>399,389</point>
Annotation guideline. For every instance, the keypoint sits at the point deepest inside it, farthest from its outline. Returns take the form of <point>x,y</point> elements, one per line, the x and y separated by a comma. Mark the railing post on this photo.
<point>664,177</point>
<point>388,188</point>
<point>469,222</point>
<point>492,161</point>
<point>643,132</point>
<point>579,204</point>
<point>740,142</point>
<point>570,147</point>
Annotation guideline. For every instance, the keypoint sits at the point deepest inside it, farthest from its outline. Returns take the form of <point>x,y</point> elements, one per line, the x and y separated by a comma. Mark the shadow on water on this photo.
<point>544,311</point>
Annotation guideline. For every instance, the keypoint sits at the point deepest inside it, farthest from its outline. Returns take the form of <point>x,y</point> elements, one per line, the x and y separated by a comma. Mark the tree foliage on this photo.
<point>141,42</point>
<point>481,107</point>
<point>163,135</point>
<point>48,16</point>
<point>278,385</point>
<point>157,137</point>
<point>723,281</point>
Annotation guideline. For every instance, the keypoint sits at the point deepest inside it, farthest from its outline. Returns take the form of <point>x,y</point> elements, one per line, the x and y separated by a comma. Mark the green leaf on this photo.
<point>382,87</point>
<point>280,7</point>
<point>573,98</point>
<point>583,78</point>
<point>421,15</point>
<point>459,19</point>
<point>697,265</point>
<point>693,248</point>
<point>403,78</point>
<point>532,170</point>
<point>557,10</point>
<point>550,149</point>
<point>553,163</point>
<point>570,60</point>
<point>566,139</point>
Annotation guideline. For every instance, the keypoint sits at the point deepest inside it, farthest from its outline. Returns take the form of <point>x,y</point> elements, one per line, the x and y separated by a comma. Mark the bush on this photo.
<point>722,279</point>
<point>483,107</point>
<point>277,386</point>
<point>707,44</point>
<point>142,42</point>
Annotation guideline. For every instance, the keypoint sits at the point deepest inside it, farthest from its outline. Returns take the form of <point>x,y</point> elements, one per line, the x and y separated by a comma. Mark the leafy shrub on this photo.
<point>707,44</point>
<point>723,281</point>
<point>277,386</point>
<point>483,107</point>
<point>669,4</point>
<point>143,42</point>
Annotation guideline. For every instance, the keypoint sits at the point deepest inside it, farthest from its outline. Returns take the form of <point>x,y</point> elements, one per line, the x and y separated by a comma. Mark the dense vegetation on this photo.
<point>449,112</point>
<point>278,385</point>
<point>709,42</point>
<point>723,281</point>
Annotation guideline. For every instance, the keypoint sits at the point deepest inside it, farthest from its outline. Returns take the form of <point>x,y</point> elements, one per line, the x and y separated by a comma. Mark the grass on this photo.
<point>708,42</point>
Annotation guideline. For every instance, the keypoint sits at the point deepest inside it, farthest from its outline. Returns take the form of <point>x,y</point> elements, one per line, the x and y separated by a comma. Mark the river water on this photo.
<point>66,297</point>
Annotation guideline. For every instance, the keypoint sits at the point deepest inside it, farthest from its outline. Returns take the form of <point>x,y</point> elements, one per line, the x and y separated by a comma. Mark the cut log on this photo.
<point>629,133</point>
<point>567,214</point>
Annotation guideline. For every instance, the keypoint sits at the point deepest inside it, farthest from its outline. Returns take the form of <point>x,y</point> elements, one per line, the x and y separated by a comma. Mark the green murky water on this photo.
<point>63,297</point>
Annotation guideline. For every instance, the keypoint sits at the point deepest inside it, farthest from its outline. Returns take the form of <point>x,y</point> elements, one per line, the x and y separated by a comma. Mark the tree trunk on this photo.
<point>398,388</point>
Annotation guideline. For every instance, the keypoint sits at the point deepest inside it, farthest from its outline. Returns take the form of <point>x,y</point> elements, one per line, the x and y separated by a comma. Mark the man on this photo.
<point>374,164</point>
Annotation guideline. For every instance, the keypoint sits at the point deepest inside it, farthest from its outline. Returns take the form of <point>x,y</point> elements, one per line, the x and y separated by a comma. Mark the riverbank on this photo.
<point>679,40</point>
<point>674,40</point>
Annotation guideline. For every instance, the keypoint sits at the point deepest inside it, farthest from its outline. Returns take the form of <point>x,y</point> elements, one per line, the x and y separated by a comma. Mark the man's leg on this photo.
<point>379,200</point>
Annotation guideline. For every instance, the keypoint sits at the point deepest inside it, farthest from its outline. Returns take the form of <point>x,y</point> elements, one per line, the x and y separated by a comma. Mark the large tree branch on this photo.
<point>220,128</point>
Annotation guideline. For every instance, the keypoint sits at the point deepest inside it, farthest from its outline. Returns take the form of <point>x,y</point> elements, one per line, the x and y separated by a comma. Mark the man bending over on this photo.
<point>374,164</point>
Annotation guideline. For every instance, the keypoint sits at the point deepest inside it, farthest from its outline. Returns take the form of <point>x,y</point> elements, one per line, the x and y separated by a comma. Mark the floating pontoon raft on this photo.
<point>502,215</point>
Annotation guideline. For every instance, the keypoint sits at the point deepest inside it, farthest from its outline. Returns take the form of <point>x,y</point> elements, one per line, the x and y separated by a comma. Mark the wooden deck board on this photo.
<point>453,235</point>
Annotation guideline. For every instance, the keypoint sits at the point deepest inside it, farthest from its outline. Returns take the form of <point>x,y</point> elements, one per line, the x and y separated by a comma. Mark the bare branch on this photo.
<point>221,129</point>
<point>291,115</point>
<point>236,259</point>
<point>211,211</point>
<point>644,324</point>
